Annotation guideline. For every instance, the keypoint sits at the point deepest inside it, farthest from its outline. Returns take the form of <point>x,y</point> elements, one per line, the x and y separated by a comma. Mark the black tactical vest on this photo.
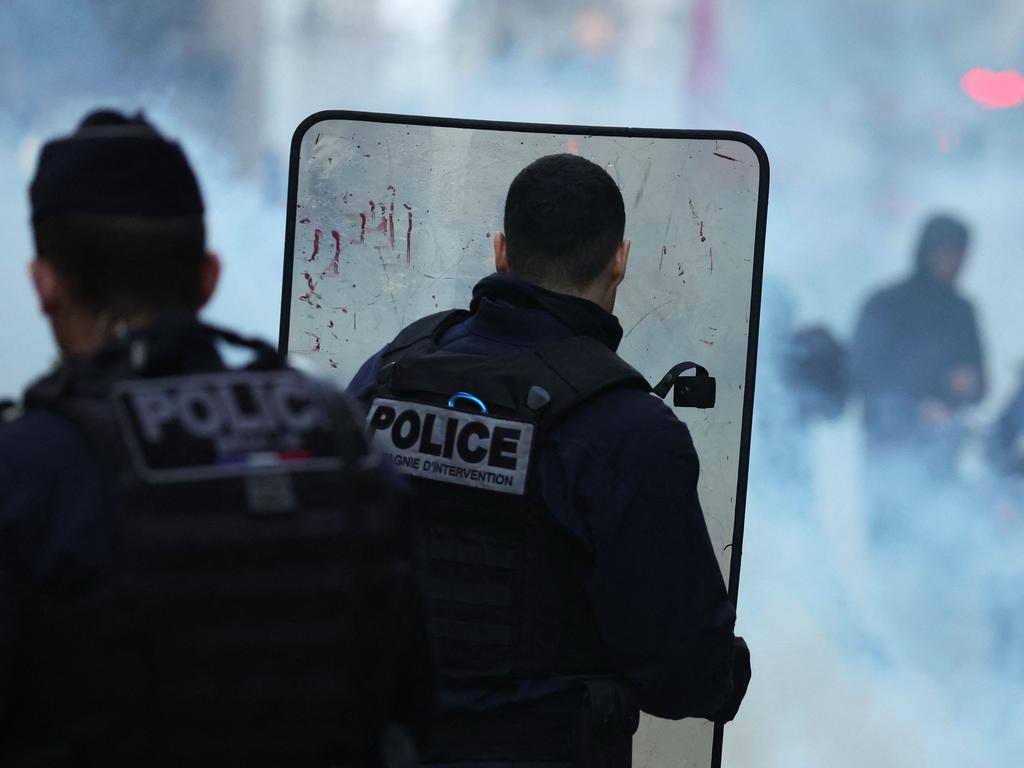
<point>259,579</point>
<point>505,581</point>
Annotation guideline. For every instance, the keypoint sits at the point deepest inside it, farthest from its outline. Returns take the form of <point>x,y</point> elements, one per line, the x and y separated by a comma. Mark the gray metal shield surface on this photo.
<point>391,218</point>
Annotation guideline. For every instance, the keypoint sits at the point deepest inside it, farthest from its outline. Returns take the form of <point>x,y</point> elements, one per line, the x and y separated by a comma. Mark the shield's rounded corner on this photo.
<point>756,147</point>
<point>307,124</point>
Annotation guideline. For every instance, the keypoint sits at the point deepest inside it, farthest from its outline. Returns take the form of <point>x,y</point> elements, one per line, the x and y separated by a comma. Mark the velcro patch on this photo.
<point>225,425</point>
<point>453,446</point>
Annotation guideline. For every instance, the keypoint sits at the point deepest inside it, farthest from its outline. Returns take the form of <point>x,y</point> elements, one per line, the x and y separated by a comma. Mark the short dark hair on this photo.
<point>564,219</point>
<point>126,264</point>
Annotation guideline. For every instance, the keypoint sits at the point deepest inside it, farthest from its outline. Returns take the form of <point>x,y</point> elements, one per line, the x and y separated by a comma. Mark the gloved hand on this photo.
<point>740,681</point>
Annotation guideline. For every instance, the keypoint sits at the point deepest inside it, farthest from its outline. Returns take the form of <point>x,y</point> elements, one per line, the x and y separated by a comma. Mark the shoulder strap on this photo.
<point>539,383</point>
<point>71,376</point>
<point>429,327</point>
<point>587,367</point>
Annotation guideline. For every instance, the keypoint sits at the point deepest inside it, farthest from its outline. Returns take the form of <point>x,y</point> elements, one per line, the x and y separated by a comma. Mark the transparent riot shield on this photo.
<point>391,218</point>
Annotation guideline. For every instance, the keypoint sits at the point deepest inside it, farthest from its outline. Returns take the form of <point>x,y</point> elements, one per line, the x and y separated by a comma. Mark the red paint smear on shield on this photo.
<point>383,226</point>
<point>317,234</point>
<point>391,224</point>
<point>333,268</point>
<point>308,297</point>
<point>408,239</point>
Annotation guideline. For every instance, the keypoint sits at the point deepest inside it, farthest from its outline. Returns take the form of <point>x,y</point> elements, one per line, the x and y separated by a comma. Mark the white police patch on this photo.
<point>453,446</point>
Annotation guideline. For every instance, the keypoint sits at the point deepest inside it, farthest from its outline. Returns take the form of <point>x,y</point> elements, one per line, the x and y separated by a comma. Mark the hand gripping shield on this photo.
<point>391,217</point>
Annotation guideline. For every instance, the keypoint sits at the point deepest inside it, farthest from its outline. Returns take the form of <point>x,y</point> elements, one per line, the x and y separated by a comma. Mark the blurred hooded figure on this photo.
<point>916,355</point>
<point>916,360</point>
<point>801,380</point>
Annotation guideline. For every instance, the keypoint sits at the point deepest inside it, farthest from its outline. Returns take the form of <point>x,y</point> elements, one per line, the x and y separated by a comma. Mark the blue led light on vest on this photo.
<point>466,396</point>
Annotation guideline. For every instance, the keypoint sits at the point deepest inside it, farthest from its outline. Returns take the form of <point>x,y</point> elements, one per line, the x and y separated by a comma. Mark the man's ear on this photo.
<point>209,276</point>
<point>49,285</point>
<point>500,252</point>
<point>619,262</point>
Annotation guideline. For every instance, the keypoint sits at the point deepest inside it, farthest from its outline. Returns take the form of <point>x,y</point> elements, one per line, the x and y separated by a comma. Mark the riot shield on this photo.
<point>391,217</point>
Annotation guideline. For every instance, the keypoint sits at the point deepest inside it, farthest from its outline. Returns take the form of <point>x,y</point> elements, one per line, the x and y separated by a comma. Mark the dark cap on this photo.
<point>116,165</point>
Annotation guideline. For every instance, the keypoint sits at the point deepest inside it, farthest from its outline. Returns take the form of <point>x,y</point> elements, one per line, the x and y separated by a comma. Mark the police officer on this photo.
<point>570,576</point>
<point>199,565</point>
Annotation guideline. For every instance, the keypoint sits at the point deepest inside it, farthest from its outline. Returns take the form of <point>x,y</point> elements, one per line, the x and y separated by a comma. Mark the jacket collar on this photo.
<point>170,344</point>
<point>581,316</point>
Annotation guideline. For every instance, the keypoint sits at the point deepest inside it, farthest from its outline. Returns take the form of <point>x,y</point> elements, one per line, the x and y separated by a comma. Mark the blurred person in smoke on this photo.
<point>802,380</point>
<point>916,354</point>
<point>582,587</point>
<point>779,457</point>
<point>1006,440</point>
<point>815,370</point>
<point>199,565</point>
<point>916,360</point>
<point>1005,452</point>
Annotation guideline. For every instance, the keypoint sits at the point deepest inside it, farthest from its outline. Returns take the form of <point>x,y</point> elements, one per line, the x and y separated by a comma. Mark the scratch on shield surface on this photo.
<point>614,165</point>
<point>643,184</point>
<point>645,316</point>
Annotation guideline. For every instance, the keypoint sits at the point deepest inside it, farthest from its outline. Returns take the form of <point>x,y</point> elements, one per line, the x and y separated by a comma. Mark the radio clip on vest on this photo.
<point>697,391</point>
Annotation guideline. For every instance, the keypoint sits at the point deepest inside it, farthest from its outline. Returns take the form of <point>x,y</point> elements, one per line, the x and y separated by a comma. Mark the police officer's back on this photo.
<point>198,565</point>
<point>570,575</point>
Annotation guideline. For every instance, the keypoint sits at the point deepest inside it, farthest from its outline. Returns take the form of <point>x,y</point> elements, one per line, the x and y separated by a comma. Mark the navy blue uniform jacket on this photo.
<point>56,529</point>
<point>620,473</point>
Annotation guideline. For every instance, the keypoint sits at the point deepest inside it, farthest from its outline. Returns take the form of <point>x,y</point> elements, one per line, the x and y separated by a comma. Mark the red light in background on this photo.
<point>994,90</point>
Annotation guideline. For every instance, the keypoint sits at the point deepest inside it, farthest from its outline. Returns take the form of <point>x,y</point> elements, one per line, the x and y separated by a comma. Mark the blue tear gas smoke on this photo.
<point>910,656</point>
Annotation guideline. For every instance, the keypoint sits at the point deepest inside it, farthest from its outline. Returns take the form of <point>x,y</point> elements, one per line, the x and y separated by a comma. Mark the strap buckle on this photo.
<point>697,391</point>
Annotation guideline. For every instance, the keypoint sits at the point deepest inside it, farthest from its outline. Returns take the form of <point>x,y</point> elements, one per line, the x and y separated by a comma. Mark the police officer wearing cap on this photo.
<point>570,576</point>
<point>199,565</point>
